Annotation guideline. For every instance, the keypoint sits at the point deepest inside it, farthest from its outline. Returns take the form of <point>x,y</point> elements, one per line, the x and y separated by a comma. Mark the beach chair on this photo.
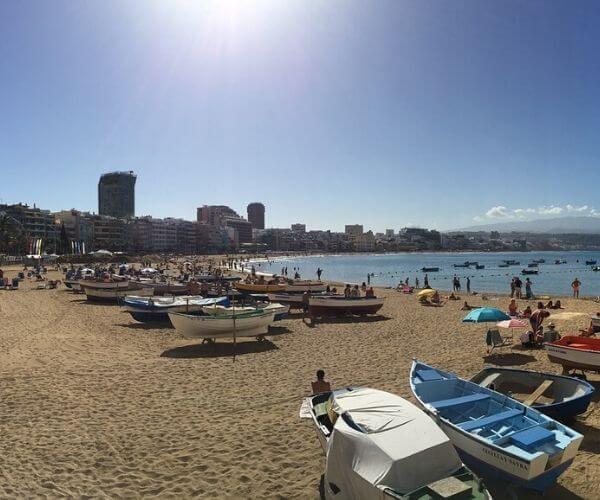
<point>494,340</point>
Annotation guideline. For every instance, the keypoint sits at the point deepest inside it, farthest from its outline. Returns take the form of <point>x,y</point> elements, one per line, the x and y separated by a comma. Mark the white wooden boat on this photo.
<point>104,285</point>
<point>280,310</point>
<point>575,353</point>
<point>114,294</point>
<point>246,324</point>
<point>493,433</point>
<point>378,445</point>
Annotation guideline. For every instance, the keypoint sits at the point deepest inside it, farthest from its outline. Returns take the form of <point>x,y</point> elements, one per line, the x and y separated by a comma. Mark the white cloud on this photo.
<point>502,212</point>
<point>499,212</point>
<point>571,208</point>
<point>551,210</point>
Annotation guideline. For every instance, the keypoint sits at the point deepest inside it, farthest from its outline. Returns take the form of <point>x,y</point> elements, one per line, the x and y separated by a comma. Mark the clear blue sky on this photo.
<point>384,113</point>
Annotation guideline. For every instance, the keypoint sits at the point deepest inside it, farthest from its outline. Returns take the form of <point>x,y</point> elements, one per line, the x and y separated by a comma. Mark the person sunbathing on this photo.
<point>513,309</point>
<point>557,305</point>
<point>466,307</point>
<point>320,385</point>
<point>436,300</point>
<point>526,312</point>
<point>550,305</point>
<point>453,297</point>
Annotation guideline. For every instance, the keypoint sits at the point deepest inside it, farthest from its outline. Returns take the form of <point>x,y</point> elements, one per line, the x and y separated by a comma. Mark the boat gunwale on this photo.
<point>479,438</point>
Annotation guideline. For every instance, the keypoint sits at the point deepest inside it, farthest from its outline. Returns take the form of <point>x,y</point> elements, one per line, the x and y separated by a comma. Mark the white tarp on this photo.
<point>398,446</point>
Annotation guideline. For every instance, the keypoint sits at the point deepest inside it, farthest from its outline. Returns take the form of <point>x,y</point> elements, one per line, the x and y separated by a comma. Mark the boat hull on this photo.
<point>329,306</point>
<point>532,469</point>
<point>113,295</point>
<point>575,358</point>
<point>572,396</point>
<point>299,287</point>
<point>216,327</point>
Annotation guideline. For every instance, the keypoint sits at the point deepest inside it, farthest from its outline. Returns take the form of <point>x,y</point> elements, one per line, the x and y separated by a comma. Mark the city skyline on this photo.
<point>436,114</point>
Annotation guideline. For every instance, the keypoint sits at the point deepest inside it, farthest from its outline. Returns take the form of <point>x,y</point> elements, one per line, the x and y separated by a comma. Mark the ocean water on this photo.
<point>389,269</point>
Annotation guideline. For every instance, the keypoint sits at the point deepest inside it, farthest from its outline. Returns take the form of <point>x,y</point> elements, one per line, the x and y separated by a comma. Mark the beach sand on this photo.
<point>96,404</point>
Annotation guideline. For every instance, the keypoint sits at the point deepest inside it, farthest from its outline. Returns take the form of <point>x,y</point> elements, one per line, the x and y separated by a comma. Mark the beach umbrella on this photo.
<point>427,292</point>
<point>485,315</point>
<point>512,323</point>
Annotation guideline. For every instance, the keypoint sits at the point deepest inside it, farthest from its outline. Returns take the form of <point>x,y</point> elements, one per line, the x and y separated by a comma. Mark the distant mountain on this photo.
<point>558,225</point>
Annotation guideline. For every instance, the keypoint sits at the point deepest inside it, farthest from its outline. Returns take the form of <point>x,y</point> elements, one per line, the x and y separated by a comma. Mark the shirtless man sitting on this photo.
<point>320,385</point>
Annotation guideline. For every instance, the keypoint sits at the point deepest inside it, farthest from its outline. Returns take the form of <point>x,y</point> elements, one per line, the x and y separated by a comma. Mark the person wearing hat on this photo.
<point>551,334</point>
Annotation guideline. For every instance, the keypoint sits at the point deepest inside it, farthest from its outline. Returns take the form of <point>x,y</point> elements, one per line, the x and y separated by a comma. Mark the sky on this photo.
<point>387,114</point>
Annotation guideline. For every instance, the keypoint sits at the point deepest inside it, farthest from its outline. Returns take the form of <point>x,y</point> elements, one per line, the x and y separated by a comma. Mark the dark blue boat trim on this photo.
<point>539,483</point>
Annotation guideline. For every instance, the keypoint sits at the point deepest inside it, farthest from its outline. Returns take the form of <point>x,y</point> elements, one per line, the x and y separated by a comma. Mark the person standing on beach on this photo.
<point>575,285</point>
<point>512,288</point>
<point>426,281</point>
<point>454,283</point>
<point>518,286</point>
<point>468,285</point>
<point>528,293</point>
<point>368,278</point>
<point>417,282</point>
<point>319,271</point>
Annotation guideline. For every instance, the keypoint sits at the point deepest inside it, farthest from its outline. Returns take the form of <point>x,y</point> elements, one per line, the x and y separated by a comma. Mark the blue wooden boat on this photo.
<point>157,309</point>
<point>557,396</point>
<point>495,434</point>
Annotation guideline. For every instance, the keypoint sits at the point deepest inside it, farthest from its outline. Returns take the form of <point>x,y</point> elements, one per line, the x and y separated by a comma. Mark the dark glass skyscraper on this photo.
<point>116,194</point>
<point>256,215</point>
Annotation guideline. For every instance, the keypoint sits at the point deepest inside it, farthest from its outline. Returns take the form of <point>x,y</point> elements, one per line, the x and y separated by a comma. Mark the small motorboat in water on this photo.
<point>557,396</point>
<point>493,433</point>
<point>378,445</point>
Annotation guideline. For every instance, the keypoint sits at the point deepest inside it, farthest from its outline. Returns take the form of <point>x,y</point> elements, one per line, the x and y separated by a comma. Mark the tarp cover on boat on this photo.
<point>398,446</point>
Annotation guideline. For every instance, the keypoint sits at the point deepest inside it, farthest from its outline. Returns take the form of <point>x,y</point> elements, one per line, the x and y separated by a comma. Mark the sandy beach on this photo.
<point>95,404</point>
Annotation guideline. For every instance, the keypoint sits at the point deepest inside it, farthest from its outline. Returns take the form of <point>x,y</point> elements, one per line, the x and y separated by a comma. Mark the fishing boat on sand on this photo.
<point>493,433</point>
<point>557,396</point>
<point>245,324</point>
<point>297,286</point>
<point>280,310</point>
<point>338,305</point>
<point>378,445</point>
<point>157,309</point>
<point>575,353</point>
<point>115,293</point>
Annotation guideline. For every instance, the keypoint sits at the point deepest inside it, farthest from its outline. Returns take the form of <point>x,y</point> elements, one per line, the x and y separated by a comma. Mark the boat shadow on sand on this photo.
<point>501,489</point>
<point>508,359</point>
<point>310,321</point>
<point>219,349</point>
<point>163,325</point>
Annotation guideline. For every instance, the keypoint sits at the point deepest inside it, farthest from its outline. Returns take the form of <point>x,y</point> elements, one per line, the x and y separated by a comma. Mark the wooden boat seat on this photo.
<point>428,375</point>
<point>487,421</point>
<point>534,436</point>
<point>449,403</point>
<point>537,394</point>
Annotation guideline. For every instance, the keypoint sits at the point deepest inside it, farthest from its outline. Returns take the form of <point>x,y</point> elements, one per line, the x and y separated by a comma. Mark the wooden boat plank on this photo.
<point>535,395</point>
